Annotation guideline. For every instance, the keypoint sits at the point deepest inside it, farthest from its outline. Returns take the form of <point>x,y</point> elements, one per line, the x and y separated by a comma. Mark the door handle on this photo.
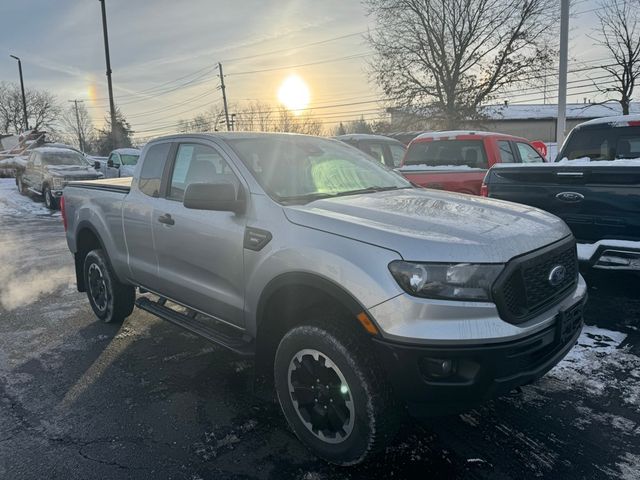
<point>166,219</point>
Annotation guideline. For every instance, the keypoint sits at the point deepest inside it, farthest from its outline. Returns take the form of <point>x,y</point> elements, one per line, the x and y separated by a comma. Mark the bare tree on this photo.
<point>254,117</point>
<point>287,121</point>
<point>203,122</point>
<point>42,109</point>
<point>79,130</point>
<point>619,33</point>
<point>453,56</point>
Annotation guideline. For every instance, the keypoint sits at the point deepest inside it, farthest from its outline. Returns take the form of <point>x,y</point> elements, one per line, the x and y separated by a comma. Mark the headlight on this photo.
<point>58,183</point>
<point>459,281</point>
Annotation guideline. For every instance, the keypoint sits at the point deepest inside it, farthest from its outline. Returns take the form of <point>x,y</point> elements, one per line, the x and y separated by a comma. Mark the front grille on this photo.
<point>524,290</point>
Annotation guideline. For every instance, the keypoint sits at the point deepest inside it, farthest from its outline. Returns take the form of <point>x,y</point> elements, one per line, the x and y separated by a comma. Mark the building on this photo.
<point>534,121</point>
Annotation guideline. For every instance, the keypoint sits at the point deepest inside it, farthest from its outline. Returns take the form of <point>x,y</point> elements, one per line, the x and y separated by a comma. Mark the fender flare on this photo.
<point>309,280</point>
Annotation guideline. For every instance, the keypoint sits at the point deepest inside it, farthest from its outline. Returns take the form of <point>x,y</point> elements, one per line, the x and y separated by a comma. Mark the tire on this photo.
<point>50,202</point>
<point>110,300</point>
<point>21,188</point>
<point>369,414</point>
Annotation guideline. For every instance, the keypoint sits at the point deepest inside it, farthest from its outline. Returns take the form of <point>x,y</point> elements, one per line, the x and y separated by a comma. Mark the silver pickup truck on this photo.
<point>360,294</point>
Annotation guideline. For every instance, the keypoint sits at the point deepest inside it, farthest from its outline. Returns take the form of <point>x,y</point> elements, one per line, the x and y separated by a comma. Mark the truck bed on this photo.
<point>120,185</point>
<point>598,200</point>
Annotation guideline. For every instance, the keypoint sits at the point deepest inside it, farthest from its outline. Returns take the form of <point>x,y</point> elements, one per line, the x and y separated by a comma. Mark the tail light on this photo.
<point>484,190</point>
<point>64,214</point>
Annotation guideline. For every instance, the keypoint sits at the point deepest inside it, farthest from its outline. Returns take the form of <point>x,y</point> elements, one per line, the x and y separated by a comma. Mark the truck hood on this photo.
<point>72,171</point>
<point>429,225</point>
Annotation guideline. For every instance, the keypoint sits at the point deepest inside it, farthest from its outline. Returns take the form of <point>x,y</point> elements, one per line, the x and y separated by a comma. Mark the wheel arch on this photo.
<point>87,239</point>
<point>283,302</point>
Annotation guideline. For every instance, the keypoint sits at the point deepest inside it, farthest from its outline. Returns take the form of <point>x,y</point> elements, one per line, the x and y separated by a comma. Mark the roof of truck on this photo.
<point>453,134</point>
<point>127,151</point>
<point>366,136</point>
<point>617,121</point>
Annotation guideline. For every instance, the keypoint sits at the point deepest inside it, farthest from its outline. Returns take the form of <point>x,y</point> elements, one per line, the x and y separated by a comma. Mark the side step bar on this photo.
<point>210,329</point>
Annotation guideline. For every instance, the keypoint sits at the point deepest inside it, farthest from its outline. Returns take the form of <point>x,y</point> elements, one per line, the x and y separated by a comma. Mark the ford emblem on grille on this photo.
<point>557,274</point>
<point>570,197</point>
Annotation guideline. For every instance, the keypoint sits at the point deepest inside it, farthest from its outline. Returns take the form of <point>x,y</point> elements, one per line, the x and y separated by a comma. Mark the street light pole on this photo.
<point>561,126</point>
<point>24,99</point>
<point>112,108</point>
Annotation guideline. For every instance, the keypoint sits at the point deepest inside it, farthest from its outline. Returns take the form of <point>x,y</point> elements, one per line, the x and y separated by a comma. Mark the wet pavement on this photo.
<point>81,399</point>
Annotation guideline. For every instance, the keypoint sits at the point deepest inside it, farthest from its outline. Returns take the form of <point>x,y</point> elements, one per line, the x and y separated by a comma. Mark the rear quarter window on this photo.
<point>602,143</point>
<point>153,168</point>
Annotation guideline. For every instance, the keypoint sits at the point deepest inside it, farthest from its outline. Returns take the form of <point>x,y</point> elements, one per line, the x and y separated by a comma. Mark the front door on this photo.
<point>200,252</point>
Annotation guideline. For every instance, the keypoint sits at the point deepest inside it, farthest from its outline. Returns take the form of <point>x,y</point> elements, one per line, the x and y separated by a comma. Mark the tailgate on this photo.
<point>597,202</point>
<point>455,180</point>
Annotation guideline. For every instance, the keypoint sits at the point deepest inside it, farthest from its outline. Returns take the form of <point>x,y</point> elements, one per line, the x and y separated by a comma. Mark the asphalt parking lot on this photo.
<point>81,399</point>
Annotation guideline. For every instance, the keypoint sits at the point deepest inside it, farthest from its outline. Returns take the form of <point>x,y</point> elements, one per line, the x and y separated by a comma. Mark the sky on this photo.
<point>164,55</point>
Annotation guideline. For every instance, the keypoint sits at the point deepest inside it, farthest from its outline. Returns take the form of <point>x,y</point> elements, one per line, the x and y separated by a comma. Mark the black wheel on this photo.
<point>50,202</point>
<point>333,392</point>
<point>21,188</point>
<point>110,300</point>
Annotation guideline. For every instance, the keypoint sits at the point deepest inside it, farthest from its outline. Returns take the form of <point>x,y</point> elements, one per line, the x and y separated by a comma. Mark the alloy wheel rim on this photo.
<point>97,287</point>
<point>321,396</point>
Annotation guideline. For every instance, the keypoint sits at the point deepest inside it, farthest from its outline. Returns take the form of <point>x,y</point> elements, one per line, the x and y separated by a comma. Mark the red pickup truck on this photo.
<point>458,160</point>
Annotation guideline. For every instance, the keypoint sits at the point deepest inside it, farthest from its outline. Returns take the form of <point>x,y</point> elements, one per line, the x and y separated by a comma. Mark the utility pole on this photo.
<point>80,138</point>
<point>561,126</point>
<point>112,108</point>
<point>224,98</point>
<point>24,98</point>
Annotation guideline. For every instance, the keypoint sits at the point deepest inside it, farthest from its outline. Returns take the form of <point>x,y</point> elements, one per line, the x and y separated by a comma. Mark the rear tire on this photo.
<point>110,300</point>
<point>50,202</point>
<point>347,412</point>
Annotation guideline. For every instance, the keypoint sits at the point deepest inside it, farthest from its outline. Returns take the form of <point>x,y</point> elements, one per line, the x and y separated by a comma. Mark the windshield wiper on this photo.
<point>367,190</point>
<point>305,198</point>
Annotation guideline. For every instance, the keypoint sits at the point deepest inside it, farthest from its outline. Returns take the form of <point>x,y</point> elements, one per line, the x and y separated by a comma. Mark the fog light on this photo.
<point>438,367</point>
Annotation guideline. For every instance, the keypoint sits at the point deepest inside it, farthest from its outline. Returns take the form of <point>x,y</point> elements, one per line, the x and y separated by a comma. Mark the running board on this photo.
<point>33,190</point>
<point>221,334</point>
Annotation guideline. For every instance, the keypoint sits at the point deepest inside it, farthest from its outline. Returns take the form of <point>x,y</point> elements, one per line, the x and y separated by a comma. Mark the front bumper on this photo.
<point>611,255</point>
<point>476,372</point>
<point>56,193</point>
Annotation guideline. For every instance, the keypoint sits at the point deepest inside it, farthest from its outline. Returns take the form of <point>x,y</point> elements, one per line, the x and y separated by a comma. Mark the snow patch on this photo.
<point>629,467</point>
<point>587,250</point>
<point>621,162</point>
<point>598,364</point>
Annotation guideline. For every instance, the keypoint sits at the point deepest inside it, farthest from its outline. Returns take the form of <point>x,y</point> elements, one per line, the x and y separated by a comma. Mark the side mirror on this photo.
<point>97,165</point>
<point>214,196</point>
<point>111,164</point>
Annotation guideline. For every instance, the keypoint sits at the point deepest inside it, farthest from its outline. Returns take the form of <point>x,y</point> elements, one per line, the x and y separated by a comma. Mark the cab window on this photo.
<point>153,168</point>
<point>506,154</point>
<point>397,154</point>
<point>197,163</point>
<point>528,154</point>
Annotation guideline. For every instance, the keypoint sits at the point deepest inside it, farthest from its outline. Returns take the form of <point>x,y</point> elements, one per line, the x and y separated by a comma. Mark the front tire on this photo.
<point>333,392</point>
<point>50,202</point>
<point>110,300</point>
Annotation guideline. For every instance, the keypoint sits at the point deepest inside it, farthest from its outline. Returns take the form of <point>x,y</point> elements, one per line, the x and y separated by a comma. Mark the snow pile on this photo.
<point>621,162</point>
<point>12,203</point>
<point>592,366</point>
<point>587,250</point>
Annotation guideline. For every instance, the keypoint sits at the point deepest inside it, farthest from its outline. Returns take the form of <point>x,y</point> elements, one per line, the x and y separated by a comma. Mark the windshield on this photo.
<point>440,153</point>
<point>70,158</point>
<point>301,169</point>
<point>129,159</point>
<point>602,144</point>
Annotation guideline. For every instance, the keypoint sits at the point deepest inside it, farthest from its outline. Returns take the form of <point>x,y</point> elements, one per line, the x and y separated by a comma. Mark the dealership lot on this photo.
<point>81,399</point>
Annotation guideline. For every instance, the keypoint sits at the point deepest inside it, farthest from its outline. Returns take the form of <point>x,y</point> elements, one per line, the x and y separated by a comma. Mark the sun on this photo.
<point>294,94</point>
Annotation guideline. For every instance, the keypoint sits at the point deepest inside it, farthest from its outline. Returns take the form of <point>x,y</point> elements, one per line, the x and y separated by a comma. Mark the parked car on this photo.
<point>120,163</point>
<point>387,151</point>
<point>594,188</point>
<point>49,169</point>
<point>458,160</point>
<point>356,292</point>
